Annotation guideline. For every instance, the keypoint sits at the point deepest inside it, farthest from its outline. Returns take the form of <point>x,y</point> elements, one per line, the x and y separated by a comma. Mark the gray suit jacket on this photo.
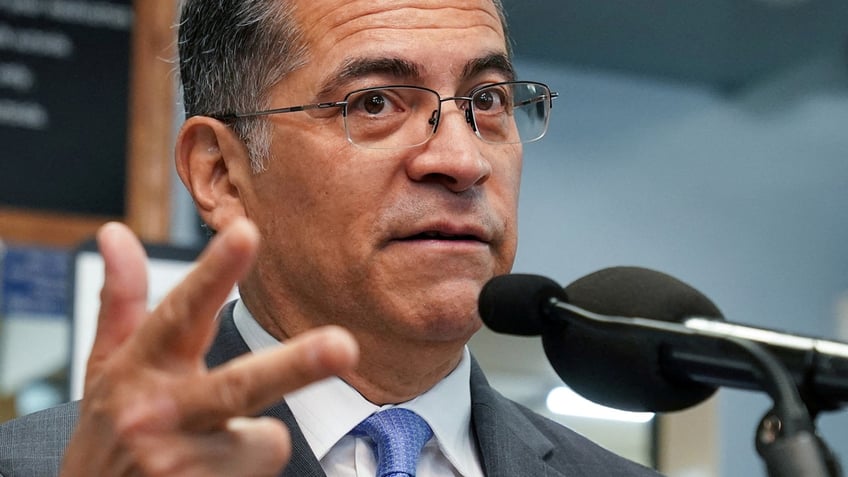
<point>513,441</point>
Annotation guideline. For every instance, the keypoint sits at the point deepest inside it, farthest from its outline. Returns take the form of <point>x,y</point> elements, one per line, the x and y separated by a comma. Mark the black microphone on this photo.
<point>641,340</point>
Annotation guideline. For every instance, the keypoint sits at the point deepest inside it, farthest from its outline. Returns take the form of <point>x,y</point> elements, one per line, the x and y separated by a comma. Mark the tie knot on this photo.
<point>398,435</point>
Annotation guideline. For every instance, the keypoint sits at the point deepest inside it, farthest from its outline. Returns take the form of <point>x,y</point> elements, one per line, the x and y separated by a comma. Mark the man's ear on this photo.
<point>213,164</point>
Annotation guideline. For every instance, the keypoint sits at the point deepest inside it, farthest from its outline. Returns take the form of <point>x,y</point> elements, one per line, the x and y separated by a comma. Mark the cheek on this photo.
<point>328,212</point>
<point>513,170</point>
<point>509,190</point>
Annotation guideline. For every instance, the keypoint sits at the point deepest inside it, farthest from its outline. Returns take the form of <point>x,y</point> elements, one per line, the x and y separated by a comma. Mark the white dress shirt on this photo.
<point>328,410</point>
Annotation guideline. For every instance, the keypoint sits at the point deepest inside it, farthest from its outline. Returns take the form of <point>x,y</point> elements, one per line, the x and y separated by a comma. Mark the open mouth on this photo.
<point>435,235</point>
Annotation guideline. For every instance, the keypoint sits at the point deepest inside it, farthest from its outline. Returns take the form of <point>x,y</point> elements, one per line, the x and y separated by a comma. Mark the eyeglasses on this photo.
<point>393,117</point>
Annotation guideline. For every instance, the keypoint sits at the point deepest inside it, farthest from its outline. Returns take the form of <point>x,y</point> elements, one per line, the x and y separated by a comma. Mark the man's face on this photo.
<point>390,242</point>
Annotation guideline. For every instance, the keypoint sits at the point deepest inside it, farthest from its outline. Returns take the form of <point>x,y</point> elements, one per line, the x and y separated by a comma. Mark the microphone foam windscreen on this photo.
<point>513,304</point>
<point>639,292</point>
<point>620,365</point>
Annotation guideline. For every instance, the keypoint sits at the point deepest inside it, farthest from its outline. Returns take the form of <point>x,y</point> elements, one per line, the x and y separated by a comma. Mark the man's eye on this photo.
<point>374,103</point>
<point>489,100</point>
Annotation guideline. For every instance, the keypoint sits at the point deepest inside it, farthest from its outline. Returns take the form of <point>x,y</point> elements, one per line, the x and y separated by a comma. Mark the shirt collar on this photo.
<point>327,410</point>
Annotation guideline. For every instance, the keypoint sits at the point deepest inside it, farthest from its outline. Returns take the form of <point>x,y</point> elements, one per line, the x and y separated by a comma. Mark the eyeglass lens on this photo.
<point>399,116</point>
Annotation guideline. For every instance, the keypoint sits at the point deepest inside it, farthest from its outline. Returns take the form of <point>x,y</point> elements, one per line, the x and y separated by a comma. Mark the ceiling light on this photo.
<point>562,400</point>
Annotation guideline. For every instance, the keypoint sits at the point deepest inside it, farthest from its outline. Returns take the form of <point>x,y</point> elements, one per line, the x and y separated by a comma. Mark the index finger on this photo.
<point>253,382</point>
<point>180,329</point>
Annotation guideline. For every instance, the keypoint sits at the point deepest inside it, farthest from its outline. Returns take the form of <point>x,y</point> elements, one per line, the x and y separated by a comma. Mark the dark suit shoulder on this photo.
<point>515,441</point>
<point>35,444</point>
<point>582,452</point>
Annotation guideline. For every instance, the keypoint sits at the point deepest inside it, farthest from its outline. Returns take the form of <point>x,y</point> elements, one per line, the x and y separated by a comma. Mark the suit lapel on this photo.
<point>303,461</point>
<point>509,443</point>
<point>229,344</point>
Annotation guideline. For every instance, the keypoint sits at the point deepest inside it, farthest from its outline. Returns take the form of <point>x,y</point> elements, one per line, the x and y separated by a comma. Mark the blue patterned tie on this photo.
<point>398,435</point>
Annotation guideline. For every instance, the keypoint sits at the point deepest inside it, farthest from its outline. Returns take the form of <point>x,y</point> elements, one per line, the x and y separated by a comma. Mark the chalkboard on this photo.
<point>64,86</point>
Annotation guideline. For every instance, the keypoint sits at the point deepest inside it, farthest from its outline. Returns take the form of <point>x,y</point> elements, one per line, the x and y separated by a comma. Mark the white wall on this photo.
<point>744,196</point>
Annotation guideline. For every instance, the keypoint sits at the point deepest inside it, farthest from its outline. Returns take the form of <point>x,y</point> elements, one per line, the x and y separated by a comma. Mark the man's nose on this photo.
<point>453,157</point>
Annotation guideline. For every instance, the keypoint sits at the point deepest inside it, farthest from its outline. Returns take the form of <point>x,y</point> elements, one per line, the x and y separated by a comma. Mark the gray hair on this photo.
<point>232,52</point>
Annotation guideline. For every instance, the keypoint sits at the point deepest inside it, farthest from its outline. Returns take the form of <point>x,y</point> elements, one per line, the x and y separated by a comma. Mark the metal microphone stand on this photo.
<point>786,437</point>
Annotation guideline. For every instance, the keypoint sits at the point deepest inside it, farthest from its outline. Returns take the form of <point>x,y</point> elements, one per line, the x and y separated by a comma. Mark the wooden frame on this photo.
<point>149,144</point>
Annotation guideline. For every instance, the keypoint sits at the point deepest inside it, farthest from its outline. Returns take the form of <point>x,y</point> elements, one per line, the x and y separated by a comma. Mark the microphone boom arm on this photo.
<point>786,438</point>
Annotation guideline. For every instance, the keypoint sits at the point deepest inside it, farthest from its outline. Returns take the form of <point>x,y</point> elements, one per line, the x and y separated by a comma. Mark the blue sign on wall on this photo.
<point>35,281</point>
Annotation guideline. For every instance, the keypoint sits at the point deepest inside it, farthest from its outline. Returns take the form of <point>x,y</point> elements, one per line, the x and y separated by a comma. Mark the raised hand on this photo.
<point>151,407</point>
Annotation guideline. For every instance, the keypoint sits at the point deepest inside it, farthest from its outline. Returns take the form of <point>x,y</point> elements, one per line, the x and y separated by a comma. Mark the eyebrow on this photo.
<point>361,67</point>
<point>405,70</point>
<point>498,62</point>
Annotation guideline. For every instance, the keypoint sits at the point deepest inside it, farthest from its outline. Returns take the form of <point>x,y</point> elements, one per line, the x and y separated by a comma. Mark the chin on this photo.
<point>442,308</point>
<point>448,320</point>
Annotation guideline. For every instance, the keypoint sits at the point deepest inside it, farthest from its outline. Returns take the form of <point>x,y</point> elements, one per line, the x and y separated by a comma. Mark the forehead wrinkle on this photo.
<point>498,31</point>
<point>399,18</point>
<point>331,23</point>
<point>403,15</point>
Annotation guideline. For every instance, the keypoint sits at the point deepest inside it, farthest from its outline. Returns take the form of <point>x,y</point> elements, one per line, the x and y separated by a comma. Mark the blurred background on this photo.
<point>708,140</point>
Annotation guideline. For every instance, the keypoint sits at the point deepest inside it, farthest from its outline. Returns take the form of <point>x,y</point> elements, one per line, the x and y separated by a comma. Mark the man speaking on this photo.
<point>360,161</point>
